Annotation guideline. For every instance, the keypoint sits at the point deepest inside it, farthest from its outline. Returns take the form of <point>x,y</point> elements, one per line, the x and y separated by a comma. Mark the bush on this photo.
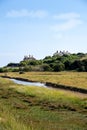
<point>77,64</point>
<point>4,69</point>
<point>85,64</point>
<point>68,65</point>
<point>46,67</point>
<point>59,67</point>
<point>1,70</point>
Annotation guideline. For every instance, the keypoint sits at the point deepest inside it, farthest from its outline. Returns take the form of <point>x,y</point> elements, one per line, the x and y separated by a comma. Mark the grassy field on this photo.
<point>74,79</point>
<point>37,108</point>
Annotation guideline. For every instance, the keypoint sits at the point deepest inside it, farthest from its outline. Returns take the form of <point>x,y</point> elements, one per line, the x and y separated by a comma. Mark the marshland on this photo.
<point>38,108</point>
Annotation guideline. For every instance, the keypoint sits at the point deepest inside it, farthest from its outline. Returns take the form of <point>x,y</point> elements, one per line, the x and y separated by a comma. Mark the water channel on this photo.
<point>37,84</point>
<point>81,92</point>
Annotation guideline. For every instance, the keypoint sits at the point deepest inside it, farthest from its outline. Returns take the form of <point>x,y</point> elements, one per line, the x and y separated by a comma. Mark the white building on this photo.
<point>30,57</point>
<point>61,53</point>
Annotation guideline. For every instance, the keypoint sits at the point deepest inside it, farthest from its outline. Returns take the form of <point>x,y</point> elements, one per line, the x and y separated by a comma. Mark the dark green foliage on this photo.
<point>68,65</point>
<point>25,68</point>
<point>13,65</point>
<point>48,60</point>
<point>23,63</point>
<point>79,65</point>
<point>4,69</point>
<point>80,54</point>
<point>46,67</point>
<point>59,67</point>
<point>33,62</point>
<point>77,62</point>
<point>1,70</point>
<point>85,64</point>
<point>30,62</point>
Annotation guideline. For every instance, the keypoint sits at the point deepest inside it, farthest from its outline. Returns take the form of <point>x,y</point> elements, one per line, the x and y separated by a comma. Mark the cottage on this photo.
<point>30,57</point>
<point>61,53</point>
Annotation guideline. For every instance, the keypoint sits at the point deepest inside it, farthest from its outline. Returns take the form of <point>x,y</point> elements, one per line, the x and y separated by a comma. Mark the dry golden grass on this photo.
<point>74,79</point>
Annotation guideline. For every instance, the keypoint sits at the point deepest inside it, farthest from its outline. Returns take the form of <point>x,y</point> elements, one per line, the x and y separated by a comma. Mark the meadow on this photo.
<point>36,108</point>
<point>73,79</point>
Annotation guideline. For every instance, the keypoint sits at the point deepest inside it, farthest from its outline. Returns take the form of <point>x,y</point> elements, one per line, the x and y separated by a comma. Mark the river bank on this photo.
<point>51,85</point>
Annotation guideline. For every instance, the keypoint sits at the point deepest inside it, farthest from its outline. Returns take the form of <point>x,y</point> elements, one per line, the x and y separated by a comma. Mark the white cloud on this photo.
<point>66,16</point>
<point>26,13</point>
<point>68,21</point>
<point>70,24</point>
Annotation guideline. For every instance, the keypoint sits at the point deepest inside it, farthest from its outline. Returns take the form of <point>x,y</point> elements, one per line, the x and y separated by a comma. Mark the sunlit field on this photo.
<point>37,108</point>
<point>74,79</point>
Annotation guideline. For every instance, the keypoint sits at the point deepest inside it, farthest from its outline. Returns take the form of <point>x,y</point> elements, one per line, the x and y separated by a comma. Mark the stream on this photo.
<point>37,84</point>
<point>75,90</point>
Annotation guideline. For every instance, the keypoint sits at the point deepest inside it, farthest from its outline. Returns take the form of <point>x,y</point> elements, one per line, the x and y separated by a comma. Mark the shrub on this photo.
<point>59,67</point>
<point>46,67</point>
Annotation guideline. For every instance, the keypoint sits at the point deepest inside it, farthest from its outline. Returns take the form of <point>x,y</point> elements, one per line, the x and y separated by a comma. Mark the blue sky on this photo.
<point>40,27</point>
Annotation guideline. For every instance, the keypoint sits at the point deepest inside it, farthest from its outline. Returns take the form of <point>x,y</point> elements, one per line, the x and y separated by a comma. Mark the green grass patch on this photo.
<point>36,108</point>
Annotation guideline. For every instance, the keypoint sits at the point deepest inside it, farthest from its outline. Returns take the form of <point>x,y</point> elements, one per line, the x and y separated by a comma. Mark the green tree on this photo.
<point>59,67</point>
<point>46,67</point>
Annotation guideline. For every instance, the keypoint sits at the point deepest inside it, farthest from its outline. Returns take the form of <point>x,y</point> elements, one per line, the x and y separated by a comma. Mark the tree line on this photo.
<point>76,62</point>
